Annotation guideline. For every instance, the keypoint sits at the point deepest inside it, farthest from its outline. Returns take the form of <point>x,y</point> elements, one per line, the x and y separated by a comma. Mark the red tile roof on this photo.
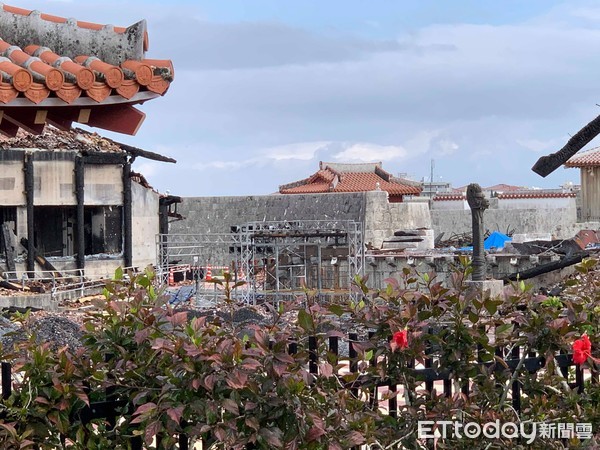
<point>497,187</point>
<point>536,194</point>
<point>59,71</point>
<point>449,197</point>
<point>333,177</point>
<point>589,158</point>
<point>503,187</point>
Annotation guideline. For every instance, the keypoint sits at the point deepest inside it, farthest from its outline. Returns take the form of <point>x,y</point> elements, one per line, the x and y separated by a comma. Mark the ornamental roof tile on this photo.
<point>589,158</point>
<point>351,178</point>
<point>536,194</point>
<point>59,71</point>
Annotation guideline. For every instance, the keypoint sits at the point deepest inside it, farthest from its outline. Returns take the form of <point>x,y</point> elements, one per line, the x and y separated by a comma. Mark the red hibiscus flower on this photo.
<point>582,350</point>
<point>399,340</point>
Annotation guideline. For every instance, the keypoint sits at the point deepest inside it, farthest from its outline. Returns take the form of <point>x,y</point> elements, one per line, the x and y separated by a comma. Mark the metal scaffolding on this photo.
<point>278,260</point>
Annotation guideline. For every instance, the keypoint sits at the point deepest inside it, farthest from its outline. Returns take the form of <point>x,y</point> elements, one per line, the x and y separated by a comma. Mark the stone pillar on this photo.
<point>478,204</point>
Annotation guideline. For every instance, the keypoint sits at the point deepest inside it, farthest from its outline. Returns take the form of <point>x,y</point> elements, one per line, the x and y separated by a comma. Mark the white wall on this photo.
<point>145,225</point>
<point>103,185</point>
<point>450,204</point>
<point>54,183</point>
<point>12,184</point>
<point>536,203</point>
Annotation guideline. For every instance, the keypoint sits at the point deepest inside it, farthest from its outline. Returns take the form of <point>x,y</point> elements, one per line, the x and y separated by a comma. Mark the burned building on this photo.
<point>70,195</point>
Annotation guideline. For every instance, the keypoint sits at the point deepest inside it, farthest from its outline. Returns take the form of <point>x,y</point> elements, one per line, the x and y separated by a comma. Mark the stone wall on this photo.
<point>382,219</point>
<point>218,214</point>
<point>560,222</point>
<point>371,209</point>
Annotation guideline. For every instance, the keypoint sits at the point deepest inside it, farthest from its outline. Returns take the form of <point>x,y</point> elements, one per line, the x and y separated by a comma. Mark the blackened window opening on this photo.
<point>103,228</point>
<point>54,230</point>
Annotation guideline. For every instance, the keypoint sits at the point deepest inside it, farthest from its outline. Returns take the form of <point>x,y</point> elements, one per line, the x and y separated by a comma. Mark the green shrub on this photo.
<point>238,386</point>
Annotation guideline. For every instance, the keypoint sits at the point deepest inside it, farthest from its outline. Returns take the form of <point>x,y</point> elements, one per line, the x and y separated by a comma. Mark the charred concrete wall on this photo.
<point>12,183</point>
<point>55,204</point>
<point>103,185</point>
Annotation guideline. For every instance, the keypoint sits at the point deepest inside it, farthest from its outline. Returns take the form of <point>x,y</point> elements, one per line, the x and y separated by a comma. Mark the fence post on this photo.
<point>81,280</point>
<point>6,380</point>
<point>312,355</point>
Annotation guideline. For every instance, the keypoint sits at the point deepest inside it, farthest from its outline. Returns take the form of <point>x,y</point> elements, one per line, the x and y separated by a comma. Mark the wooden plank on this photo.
<point>41,260</point>
<point>9,249</point>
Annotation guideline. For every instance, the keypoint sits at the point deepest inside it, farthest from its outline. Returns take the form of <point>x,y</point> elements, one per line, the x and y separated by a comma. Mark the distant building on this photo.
<point>495,190</point>
<point>437,187</point>
<point>589,164</point>
<point>343,177</point>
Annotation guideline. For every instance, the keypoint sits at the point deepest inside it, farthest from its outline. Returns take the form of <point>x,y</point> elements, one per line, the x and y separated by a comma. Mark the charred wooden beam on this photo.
<point>127,219</point>
<point>13,285</point>
<point>134,151</point>
<point>104,158</point>
<point>548,164</point>
<point>80,196</point>
<point>29,194</point>
<point>545,268</point>
<point>163,217</point>
<point>9,250</point>
<point>40,259</point>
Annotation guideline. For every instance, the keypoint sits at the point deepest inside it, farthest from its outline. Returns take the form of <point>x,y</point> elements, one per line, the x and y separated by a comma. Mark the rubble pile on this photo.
<point>58,329</point>
<point>54,139</point>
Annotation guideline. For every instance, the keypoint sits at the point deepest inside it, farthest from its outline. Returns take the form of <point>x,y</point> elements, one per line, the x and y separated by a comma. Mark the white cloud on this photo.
<point>538,145</point>
<point>301,150</point>
<point>447,147</point>
<point>365,151</point>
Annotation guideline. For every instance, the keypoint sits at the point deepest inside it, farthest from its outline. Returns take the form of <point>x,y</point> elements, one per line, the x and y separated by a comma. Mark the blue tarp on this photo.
<point>183,294</point>
<point>496,240</point>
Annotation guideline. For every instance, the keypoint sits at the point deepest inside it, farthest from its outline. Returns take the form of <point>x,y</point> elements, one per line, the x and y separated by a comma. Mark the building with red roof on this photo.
<point>589,164</point>
<point>345,177</point>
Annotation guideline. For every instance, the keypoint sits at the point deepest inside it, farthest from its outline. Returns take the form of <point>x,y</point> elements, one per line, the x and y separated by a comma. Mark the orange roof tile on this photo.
<point>449,197</point>
<point>536,194</point>
<point>589,158</point>
<point>328,179</point>
<point>76,71</point>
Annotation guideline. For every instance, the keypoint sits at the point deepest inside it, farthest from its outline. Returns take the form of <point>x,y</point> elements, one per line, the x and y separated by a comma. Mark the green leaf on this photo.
<point>491,306</point>
<point>119,274</point>
<point>473,317</point>
<point>369,355</point>
<point>305,320</point>
<point>504,328</point>
<point>336,309</point>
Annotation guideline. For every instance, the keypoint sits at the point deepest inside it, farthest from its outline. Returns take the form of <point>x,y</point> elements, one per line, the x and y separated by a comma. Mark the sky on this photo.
<point>265,89</point>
